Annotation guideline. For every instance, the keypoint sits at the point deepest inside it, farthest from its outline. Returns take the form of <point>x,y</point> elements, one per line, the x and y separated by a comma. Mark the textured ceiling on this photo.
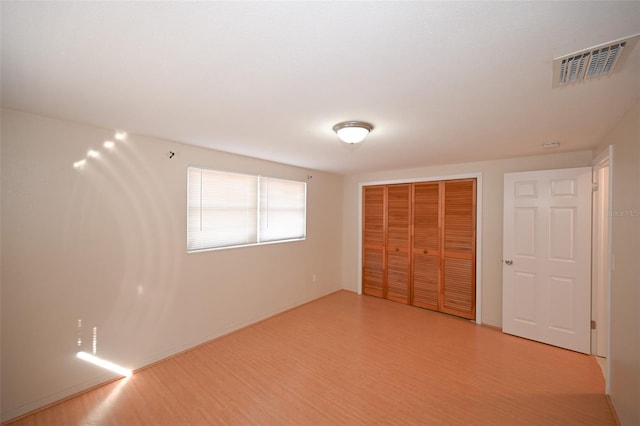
<point>442,82</point>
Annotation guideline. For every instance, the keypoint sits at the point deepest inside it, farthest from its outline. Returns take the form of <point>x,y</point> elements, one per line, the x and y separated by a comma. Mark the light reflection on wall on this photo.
<point>93,153</point>
<point>92,357</point>
<point>124,178</point>
<point>122,166</point>
<point>103,363</point>
<point>79,338</point>
<point>94,337</point>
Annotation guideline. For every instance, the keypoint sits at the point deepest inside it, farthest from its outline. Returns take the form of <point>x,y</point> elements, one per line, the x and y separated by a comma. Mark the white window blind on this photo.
<point>282,209</point>
<point>232,209</point>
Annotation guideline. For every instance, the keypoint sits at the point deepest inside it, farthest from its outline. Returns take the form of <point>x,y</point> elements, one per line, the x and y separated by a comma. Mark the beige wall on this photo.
<point>625,279</point>
<point>107,245</point>
<point>492,179</point>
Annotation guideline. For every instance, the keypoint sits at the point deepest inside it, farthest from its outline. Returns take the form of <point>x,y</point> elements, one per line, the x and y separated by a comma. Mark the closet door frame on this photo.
<point>478,271</point>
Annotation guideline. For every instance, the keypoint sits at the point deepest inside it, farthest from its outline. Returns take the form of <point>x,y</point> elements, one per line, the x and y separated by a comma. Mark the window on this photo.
<point>232,209</point>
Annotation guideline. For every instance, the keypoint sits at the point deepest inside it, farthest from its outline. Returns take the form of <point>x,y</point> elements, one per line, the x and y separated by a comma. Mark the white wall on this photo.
<point>624,337</point>
<point>492,178</point>
<point>107,245</point>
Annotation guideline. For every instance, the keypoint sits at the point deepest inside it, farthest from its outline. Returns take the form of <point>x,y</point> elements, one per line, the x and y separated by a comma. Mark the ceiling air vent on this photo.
<point>592,63</point>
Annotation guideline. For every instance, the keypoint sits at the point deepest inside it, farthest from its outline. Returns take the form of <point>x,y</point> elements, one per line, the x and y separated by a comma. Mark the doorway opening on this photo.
<point>601,257</point>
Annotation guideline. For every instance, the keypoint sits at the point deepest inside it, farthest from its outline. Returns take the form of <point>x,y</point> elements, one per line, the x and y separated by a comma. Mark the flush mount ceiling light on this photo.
<point>352,131</point>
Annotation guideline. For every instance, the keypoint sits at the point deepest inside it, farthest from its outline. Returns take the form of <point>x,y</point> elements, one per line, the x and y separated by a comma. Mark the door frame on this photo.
<point>529,307</point>
<point>602,258</point>
<point>478,177</point>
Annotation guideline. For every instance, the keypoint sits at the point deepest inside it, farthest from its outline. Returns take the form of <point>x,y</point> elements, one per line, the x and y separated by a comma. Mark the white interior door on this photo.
<point>547,257</point>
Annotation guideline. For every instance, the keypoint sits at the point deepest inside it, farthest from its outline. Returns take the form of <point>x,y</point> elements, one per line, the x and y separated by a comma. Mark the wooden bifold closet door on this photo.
<point>459,248</point>
<point>398,240</point>
<point>419,244</point>
<point>373,240</point>
<point>426,245</point>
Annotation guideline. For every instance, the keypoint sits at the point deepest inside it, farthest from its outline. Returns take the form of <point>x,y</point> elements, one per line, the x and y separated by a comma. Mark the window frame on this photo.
<point>258,212</point>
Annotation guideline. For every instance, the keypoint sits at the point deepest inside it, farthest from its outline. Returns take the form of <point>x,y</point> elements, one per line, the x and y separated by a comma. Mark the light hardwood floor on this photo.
<point>349,360</point>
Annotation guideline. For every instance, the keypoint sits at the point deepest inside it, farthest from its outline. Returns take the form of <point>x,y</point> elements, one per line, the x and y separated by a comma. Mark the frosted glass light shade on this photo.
<point>352,131</point>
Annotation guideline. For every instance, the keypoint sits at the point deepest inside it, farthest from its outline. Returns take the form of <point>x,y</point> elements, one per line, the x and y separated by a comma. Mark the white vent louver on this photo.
<point>592,63</point>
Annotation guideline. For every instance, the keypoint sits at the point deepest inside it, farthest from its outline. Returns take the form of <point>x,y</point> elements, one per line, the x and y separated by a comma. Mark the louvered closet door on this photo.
<point>373,240</point>
<point>426,245</point>
<point>459,218</point>
<point>398,238</point>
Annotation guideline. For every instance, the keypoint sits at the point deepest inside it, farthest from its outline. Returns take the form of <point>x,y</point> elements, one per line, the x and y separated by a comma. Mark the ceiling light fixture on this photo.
<point>352,131</point>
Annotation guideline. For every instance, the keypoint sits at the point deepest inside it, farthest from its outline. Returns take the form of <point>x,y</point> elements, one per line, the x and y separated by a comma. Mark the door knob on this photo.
<point>425,251</point>
<point>509,262</point>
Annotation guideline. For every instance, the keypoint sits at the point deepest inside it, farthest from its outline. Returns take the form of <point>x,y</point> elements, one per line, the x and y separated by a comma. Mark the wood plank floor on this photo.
<point>350,360</point>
